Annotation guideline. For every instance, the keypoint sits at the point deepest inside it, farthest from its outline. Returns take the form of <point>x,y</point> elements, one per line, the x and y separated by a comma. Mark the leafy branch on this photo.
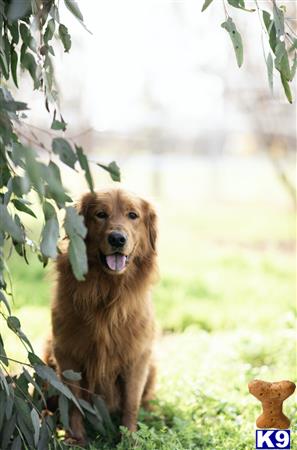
<point>281,43</point>
<point>29,33</point>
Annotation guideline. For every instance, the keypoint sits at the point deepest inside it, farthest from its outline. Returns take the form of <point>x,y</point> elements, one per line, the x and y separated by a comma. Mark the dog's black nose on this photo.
<point>117,239</point>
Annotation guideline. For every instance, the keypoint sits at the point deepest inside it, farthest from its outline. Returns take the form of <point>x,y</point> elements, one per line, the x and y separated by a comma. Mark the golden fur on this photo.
<point>103,327</point>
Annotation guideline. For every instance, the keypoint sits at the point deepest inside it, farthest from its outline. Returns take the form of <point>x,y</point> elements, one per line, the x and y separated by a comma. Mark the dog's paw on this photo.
<point>75,442</point>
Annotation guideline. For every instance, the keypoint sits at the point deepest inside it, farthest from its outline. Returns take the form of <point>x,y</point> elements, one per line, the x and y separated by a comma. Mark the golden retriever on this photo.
<point>103,327</point>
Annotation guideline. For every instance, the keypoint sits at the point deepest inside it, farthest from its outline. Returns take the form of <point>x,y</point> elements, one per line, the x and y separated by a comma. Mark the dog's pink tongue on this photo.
<point>116,262</point>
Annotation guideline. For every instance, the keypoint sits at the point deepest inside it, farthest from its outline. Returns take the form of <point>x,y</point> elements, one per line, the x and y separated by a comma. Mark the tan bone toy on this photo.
<point>272,396</point>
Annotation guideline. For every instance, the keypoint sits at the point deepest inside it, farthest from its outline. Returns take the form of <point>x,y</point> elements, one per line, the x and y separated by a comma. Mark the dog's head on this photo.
<point>121,229</point>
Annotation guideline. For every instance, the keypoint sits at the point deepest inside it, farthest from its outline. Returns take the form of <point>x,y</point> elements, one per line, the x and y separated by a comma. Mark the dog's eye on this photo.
<point>132,215</point>
<point>101,215</point>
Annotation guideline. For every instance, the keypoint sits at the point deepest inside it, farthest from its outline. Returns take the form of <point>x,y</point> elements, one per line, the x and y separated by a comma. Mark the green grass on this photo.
<point>226,305</point>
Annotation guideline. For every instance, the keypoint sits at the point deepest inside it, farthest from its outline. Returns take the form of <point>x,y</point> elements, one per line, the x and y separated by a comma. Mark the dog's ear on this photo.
<point>152,228</point>
<point>84,204</point>
<point>151,224</point>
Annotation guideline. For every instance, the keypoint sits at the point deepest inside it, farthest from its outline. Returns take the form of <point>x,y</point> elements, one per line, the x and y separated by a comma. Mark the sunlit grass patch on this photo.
<point>218,292</point>
<point>202,400</point>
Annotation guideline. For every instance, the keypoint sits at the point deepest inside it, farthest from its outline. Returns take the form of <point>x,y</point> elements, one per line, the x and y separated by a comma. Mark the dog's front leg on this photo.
<point>77,429</point>
<point>134,382</point>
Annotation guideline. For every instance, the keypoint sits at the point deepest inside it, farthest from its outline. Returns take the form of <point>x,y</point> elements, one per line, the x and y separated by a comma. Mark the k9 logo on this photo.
<point>272,439</point>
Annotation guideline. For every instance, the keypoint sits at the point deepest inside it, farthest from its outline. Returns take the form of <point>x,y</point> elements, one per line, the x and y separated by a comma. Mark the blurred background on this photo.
<point>155,86</point>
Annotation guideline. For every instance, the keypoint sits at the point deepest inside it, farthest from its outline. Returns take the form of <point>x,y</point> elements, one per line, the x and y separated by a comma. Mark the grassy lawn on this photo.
<point>225,306</point>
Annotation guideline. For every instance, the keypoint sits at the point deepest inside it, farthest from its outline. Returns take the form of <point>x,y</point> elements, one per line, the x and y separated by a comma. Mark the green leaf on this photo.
<point>22,207</point>
<point>4,64</point>
<point>58,125</point>
<point>18,220</point>
<point>20,249</point>
<point>50,235</point>
<point>20,185</point>
<point>17,443</point>
<point>18,9</point>
<point>230,27</point>
<point>48,210</point>
<point>71,375</point>
<point>29,63</point>
<point>279,20</point>
<point>33,170</point>
<point>236,3</point>
<point>5,56</point>
<point>2,407</point>
<point>96,423</point>
<point>24,338</point>
<point>31,380</point>
<point>65,37</point>
<point>74,223</point>
<point>8,225</point>
<point>17,154</point>
<point>34,359</point>
<point>7,431</point>
<point>9,404</point>
<point>76,231</point>
<point>49,31</point>
<point>270,27</point>
<point>51,50</point>
<point>36,424</point>
<point>45,437</point>
<point>23,409</point>
<point>14,31</point>
<point>13,323</point>
<point>55,190</point>
<point>294,45</point>
<point>282,61</point>
<point>103,411</point>
<point>5,301</point>
<point>240,4</point>
<point>113,169</point>
<point>54,12</point>
<point>86,406</point>
<point>285,67</point>
<point>25,34</point>
<point>83,161</point>
<point>3,356</point>
<point>14,65</point>
<point>12,106</point>
<point>64,411</point>
<point>206,4</point>
<point>48,374</point>
<point>74,9</point>
<point>77,257</point>
<point>62,148</point>
<point>293,69</point>
<point>4,174</point>
<point>7,195</point>
<point>269,63</point>
<point>27,435</point>
<point>4,385</point>
<point>287,88</point>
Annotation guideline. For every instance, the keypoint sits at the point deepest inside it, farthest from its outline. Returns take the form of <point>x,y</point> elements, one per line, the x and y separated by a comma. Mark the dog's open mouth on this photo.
<point>115,262</point>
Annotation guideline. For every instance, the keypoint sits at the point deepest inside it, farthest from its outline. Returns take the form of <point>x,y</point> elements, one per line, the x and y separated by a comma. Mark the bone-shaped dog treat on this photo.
<point>272,396</point>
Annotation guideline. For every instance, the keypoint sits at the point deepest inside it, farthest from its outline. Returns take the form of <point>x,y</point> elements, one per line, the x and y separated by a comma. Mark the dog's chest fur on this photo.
<point>104,329</point>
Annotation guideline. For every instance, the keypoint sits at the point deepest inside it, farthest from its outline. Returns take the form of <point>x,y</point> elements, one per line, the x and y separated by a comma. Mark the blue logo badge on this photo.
<point>272,439</point>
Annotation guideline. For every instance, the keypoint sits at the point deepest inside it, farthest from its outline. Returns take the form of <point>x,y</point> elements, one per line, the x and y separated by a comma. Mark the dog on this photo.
<point>104,326</point>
